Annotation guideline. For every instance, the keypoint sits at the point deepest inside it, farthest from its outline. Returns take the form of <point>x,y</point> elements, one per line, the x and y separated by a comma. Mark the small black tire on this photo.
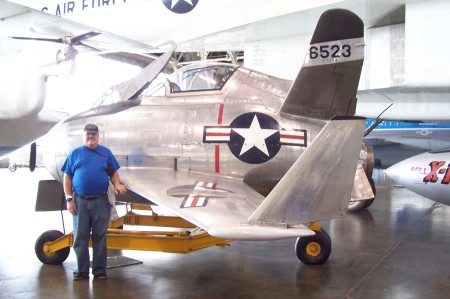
<point>55,258</point>
<point>356,205</point>
<point>12,167</point>
<point>369,202</point>
<point>314,250</point>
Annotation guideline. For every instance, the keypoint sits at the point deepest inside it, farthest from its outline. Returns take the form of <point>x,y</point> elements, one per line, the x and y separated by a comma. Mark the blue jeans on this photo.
<point>91,214</point>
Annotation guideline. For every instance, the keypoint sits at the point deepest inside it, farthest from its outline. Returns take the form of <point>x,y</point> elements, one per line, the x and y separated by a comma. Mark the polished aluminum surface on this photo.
<point>157,131</point>
<point>219,126</point>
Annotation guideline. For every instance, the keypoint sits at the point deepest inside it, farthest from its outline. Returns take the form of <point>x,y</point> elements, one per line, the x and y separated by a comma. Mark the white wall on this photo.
<point>415,53</point>
<point>384,64</point>
<point>427,43</point>
<point>281,57</point>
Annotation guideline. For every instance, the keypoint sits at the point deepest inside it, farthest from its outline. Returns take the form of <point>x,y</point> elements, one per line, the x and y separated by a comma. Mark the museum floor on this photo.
<point>398,248</point>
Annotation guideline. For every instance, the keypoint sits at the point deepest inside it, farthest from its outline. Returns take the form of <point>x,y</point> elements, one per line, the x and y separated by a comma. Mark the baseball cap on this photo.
<point>91,128</point>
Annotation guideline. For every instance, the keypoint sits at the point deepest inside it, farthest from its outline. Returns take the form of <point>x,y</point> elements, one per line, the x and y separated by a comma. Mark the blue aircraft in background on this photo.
<point>393,141</point>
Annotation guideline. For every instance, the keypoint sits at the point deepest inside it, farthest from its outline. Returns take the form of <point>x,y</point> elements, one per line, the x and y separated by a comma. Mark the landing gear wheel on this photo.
<point>369,202</point>
<point>54,258</point>
<point>12,167</point>
<point>358,205</point>
<point>314,250</point>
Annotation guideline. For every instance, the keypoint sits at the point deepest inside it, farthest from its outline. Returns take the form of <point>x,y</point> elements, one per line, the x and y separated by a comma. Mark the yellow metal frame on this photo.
<point>180,240</point>
<point>315,227</point>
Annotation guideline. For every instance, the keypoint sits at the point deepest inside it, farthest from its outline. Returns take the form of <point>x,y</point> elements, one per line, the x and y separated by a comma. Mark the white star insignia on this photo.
<point>175,2</point>
<point>255,137</point>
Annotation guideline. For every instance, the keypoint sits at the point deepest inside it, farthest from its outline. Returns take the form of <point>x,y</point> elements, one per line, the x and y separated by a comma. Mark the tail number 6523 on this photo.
<point>327,51</point>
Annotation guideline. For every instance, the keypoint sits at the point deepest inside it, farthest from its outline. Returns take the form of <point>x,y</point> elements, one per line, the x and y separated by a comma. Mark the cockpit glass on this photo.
<point>198,77</point>
<point>156,91</point>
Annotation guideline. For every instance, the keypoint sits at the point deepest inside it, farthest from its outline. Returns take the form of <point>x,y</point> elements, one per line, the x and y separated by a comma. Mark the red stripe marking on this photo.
<point>292,136</point>
<point>219,118</point>
<point>217,156</point>
<point>194,201</point>
<point>217,148</point>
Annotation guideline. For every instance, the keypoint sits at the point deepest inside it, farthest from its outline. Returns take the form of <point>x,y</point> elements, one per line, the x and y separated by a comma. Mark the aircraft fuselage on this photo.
<point>427,174</point>
<point>235,131</point>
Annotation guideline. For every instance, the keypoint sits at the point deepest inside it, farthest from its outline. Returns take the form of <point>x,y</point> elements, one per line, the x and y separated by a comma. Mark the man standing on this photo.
<point>87,172</point>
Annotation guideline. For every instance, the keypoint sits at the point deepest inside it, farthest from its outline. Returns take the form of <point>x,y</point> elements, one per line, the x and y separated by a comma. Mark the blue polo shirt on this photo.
<point>88,169</point>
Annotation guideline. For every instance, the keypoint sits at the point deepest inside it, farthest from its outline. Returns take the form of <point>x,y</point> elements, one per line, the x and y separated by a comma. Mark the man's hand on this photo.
<point>120,188</point>
<point>71,207</point>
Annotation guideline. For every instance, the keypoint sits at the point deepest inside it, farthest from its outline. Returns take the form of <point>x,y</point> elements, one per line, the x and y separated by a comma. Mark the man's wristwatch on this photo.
<point>68,198</point>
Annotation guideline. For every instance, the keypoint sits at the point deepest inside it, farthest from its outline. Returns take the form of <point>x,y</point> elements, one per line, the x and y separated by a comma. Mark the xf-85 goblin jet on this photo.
<point>238,154</point>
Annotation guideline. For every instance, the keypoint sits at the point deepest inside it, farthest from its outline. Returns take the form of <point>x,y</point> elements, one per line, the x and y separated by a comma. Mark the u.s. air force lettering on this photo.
<point>254,137</point>
<point>61,8</point>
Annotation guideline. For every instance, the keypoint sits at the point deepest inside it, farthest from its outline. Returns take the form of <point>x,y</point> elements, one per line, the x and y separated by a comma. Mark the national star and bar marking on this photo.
<point>194,201</point>
<point>192,197</point>
<point>222,135</point>
<point>253,137</point>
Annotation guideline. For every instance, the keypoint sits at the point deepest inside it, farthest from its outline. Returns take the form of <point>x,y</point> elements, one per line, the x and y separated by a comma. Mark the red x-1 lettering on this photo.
<point>432,176</point>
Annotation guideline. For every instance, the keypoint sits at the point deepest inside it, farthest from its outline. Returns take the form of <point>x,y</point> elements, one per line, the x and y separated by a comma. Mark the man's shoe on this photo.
<point>79,276</point>
<point>101,276</point>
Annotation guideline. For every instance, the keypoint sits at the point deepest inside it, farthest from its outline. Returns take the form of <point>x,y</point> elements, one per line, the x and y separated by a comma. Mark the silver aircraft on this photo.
<point>427,174</point>
<point>240,154</point>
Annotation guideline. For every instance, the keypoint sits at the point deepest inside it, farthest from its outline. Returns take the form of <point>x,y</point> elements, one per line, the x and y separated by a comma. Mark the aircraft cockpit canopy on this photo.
<point>196,77</point>
<point>193,77</point>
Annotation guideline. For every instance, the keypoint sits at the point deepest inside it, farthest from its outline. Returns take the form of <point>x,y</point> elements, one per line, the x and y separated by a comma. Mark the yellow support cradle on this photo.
<point>170,234</point>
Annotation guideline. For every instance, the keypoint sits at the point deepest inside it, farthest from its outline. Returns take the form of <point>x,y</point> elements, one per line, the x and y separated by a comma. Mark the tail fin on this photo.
<point>327,83</point>
<point>319,184</point>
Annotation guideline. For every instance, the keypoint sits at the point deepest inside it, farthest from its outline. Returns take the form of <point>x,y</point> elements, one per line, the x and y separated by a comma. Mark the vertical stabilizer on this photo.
<point>327,83</point>
<point>318,185</point>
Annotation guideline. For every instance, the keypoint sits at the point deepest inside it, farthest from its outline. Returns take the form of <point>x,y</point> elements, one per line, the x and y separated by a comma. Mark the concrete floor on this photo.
<point>398,248</point>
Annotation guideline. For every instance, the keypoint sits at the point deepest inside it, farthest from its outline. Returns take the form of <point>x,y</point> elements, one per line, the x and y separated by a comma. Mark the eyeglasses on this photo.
<point>90,134</point>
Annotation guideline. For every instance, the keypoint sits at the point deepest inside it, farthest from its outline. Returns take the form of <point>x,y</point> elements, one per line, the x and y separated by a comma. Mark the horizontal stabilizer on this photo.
<point>318,186</point>
<point>327,83</point>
